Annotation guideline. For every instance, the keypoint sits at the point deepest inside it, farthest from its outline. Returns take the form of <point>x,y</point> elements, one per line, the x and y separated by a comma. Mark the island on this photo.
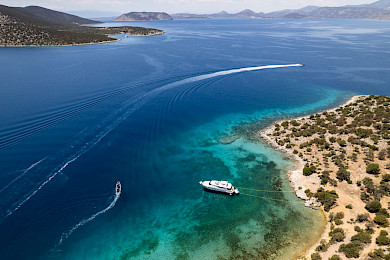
<point>343,164</point>
<point>144,16</point>
<point>38,26</point>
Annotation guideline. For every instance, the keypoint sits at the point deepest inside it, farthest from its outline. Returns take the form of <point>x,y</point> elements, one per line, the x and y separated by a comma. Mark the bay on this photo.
<point>148,111</point>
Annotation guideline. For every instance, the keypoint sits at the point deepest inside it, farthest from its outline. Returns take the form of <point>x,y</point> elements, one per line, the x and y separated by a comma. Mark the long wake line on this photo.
<point>132,106</point>
<point>85,221</point>
<point>23,173</point>
<point>224,72</point>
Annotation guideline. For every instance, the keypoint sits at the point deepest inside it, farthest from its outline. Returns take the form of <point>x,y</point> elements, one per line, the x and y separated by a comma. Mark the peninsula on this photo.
<point>38,26</point>
<point>343,162</point>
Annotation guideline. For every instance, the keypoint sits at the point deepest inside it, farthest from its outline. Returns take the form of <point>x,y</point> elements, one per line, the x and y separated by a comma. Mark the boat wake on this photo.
<point>221,73</point>
<point>90,138</point>
<point>85,221</point>
<point>24,172</point>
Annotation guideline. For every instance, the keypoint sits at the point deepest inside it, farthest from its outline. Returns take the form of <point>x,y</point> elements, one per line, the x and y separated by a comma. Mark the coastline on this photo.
<point>80,44</point>
<point>298,181</point>
<point>296,178</point>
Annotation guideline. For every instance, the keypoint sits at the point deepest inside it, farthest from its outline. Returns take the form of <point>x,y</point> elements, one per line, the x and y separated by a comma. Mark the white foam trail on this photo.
<point>23,173</point>
<point>139,102</point>
<point>223,73</point>
<point>85,221</point>
<point>43,184</point>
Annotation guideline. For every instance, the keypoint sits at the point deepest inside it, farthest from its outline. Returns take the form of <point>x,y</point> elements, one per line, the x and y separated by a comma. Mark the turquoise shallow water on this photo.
<point>146,111</point>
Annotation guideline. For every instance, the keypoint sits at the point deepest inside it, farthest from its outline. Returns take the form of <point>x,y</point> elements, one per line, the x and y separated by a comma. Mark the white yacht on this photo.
<point>221,186</point>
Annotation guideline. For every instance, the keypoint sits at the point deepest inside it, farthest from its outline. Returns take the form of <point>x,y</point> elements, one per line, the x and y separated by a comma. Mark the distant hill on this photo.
<point>248,14</point>
<point>243,14</point>
<point>55,16</point>
<point>37,26</point>
<point>284,13</point>
<point>349,12</point>
<point>377,10</point>
<point>381,4</point>
<point>144,16</point>
<point>293,16</point>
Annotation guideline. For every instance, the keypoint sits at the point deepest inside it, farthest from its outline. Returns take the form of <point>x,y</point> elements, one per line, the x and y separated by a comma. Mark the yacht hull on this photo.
<point>219,186</point>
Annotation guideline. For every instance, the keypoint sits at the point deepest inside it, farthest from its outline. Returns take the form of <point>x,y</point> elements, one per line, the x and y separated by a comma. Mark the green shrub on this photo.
<point>381,220</point>
<point>363,237</point>
<point>383,239</point>
<point>362,217</point>
<point>342,143</point>
<point>339,215</point>
<point>351,250</point>
<point>309,193</point>
<point>315,256</point>
<point>285,124</point>
<point>307,171</point>
<point>323,246</point>
<point>349,206</point>
<point>327,198</point>
<point>378,254</point>
<point>335,257</point>
<point>358,229</point>
<point>373,168</point>
<point>325,178</point>
<point>373,206</point>
<point>386,177</point>
<point>337,235</point>
<point>383,211</point>
<point>342,174</point>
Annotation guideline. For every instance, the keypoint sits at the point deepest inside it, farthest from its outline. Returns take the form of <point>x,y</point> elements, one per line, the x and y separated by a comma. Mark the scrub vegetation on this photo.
<point>346,160</point>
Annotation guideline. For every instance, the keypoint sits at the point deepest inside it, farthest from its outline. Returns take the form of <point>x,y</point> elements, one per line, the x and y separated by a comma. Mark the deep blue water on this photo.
<point>76,119</point>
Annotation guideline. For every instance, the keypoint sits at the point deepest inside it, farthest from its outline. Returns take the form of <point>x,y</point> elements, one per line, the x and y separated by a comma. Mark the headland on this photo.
<point>38,26</point>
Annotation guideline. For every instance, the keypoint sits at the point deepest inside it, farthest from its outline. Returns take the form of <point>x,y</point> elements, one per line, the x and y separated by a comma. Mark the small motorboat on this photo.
<point>118,188</point>
<point>220,186</point>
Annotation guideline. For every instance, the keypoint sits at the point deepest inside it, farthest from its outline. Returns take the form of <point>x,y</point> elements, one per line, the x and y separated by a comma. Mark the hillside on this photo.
<point>37,26</point>
<point>144,16</point>
<point>55,16</point>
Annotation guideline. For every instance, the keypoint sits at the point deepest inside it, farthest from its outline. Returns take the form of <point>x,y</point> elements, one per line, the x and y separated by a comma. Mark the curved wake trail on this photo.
<point>85,221</point>
<point>129,107</point>
<point>222,73</point>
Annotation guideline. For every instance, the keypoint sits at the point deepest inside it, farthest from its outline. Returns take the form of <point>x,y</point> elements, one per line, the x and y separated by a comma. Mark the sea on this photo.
<point>159,114</point>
